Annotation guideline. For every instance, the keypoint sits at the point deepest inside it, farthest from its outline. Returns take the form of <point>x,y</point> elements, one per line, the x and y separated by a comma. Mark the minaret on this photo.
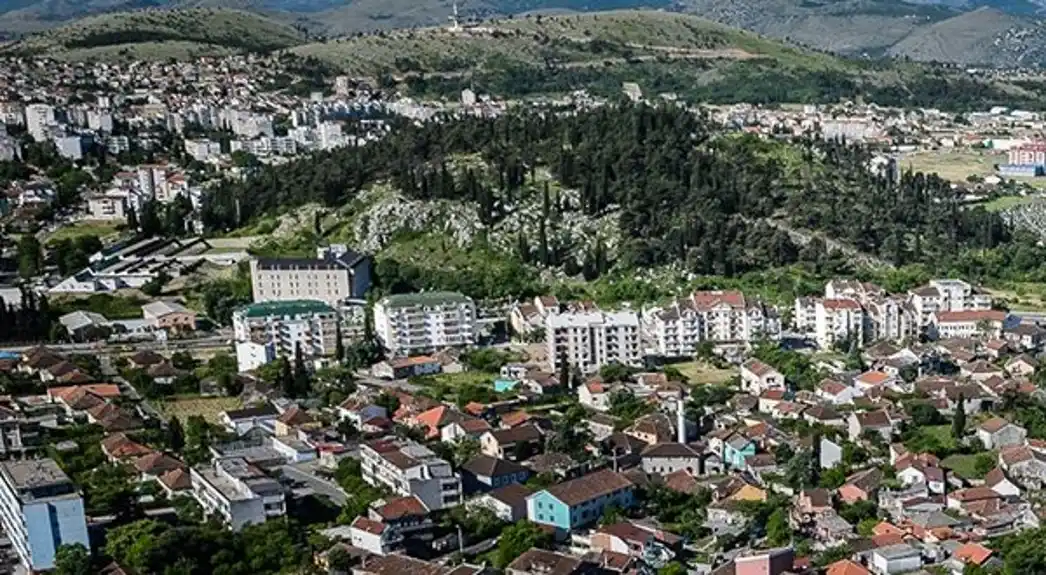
<point>454,19</point>
<point>681,419</point>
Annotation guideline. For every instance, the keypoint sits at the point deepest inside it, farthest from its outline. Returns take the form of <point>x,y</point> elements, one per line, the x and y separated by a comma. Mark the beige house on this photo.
<point>171,316</point>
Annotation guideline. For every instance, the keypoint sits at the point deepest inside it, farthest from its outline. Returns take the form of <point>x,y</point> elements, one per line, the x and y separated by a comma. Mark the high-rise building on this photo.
<point>337,274</point>
<point>947,295</point>
<point>38,119</point>
<point>269,330</point>
<point>717,316</point>
<point>409,323</point>
<point>41,510</point>
<point>591,339</point>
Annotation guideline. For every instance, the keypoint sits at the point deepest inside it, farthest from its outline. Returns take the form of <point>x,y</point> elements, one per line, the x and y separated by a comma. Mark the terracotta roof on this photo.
<point>758,368</point>
<point>146,357</point>
<point>156,463</point>
<point>708,300</point>
<point>588,487</point>
<point>670,450</point>
<point>994,424</point>
<point>974,494</point>
<point>846,567</point>
<point>866,480</point>
<point>887,539</point>
<point>994,477</point>
<point>513,494</point>
<point>515,418</point>
<point>295,415</point>
<point>368,525</point>
<point>176,479</point>
<point>545,562</point>
<point>841,303</point>
<point>970,315</point>
<point>402,507</point>
<point>523,433</point>
<point>873,377</point>
<point>873,419</point>
<point>972,553</point>
<point>627,532</point>
<point>119,446</point>
<point>104,390</point>
<point>681,482</point>
<point>474,425</point>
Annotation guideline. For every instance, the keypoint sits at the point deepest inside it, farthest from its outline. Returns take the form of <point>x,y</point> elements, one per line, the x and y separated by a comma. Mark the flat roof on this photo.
<point>285,308</point>
<point>425,298</point>
<point>34,473</point>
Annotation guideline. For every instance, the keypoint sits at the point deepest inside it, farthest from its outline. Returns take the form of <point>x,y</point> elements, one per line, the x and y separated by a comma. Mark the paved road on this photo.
<point>302,473</point>
<point>365,378</point>
<point>201,343</point>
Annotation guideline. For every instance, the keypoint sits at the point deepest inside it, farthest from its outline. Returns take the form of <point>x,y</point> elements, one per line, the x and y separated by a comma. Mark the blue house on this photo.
<point>580,501</point>
<point>736,449</point>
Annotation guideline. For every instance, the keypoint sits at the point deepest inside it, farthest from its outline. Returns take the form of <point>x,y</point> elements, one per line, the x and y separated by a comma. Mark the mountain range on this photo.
<point>1000,33</point>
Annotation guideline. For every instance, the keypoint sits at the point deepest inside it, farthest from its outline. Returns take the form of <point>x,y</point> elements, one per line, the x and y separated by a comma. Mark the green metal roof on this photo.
<point>424,298</point>
<point>285,308</point>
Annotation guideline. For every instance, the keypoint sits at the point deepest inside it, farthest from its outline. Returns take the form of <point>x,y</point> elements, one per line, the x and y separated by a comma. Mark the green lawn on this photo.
<point>700,372</point>
<point>111,306</point>
<point>964,466</point>
<point>84,228</point>
<point>1004,202</point>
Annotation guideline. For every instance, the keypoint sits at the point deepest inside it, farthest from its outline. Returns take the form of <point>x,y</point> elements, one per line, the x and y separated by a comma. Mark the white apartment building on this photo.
<point>946,295</point>
<point>410,323</point>
<point>337,274</point>
<point>41,510</point>
<point>237,492</point>
<point>38,120</point>
<point>718,316</point>
<point>837,320</point>
<point>203,150</point>
<point>591,339</point>
<point>408,468</point>
<point>275,329</point>
<point>110,207</point>
<point>889,318</point>
<point>986,324</point>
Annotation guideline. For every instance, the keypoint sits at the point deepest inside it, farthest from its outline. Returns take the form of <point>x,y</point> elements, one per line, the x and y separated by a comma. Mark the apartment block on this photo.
<point>41,510</point>
<point>411,323</point>
<point>592,339</point>
<point>984,324</point>
<point>237,492</point>
<point>335,275</point>
<point>408,469</point>
<point>108,207</point>
<point>266,331</point>
<point>717,316</point>
<point>853,309</point>
<point>946,295</point>
<point>837,320</point>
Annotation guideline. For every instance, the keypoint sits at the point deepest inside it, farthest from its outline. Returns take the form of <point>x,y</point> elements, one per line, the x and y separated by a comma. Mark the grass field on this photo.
<point>964,466</point>
<point>208,407</point>
<point>1000,204</point>
<point>954,165</point>
<point>80,229</point>
<point>1023,296</point>
<point>700,373</point>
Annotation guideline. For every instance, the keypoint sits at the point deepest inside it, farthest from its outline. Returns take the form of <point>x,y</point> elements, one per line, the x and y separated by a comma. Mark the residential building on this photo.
<point>838,319</point>
<point>984,324</point>
<point>285,325</point>
<point>483,473</point>
<point>540,561</point>
<point>899,558</point>
<point>38,120</point>
<point>169,315</point>
<point>509,502</point>
<point>764,562</point>
<point>718,316</point>
<point>41,510</point>
<point>203,150</point>
<point>946,295</point>
<point>408,468</point>
<point>757,377</point>
<point>997,433</point>
<point>237,492</point>
<point>411,323</point>
<point>108,207</point>
<point>336,275</point>
<point>580,501</point>
<point>589,340</point>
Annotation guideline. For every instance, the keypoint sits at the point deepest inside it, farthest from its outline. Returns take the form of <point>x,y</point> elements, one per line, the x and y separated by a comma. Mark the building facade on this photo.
<point>40,509</point>
<point>718,316</point>
<point>266,331</point>
<point>237,492</point>
<point>591,339</point>
<point>946,295</point>
<point>412,323</point>
<point>408,468</point>
<point>579,502</point>
<point>336,275</point>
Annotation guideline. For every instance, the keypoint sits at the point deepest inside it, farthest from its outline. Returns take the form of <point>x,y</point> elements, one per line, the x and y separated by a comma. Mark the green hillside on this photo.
<point>662,52</point>
<point>160,34</point>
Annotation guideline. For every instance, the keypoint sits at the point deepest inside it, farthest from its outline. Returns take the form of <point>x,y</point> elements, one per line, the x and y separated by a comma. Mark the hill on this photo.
<point>160,33</point>
<point>983,37</point>
<point>663,52</point>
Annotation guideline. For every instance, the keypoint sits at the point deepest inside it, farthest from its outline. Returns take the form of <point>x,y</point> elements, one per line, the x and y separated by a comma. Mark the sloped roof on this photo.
<point>486,466</point>
<point>402,507</point>
<point>589,487</point>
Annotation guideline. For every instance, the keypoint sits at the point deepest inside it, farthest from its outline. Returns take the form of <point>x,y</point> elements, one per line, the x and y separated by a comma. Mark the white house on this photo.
<point>757,377</point>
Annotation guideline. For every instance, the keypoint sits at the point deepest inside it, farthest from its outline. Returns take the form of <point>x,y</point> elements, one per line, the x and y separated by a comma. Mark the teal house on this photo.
<point>736,449</point>
<point>580,502</point>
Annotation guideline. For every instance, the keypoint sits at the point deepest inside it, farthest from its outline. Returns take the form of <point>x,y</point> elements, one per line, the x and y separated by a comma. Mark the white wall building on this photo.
<point>203,150</point>
<point>718,316</point>
<point>38,120</point>
<point>946,295</point>
<point>108,207</point>
<point>838,319</point>
<point>592,339</point>
<point>408,468</point>
<point>40,509</point>
<point>409,323</point>
<point>335,275</point>
<point>237,492</point>
<point>265,331</point>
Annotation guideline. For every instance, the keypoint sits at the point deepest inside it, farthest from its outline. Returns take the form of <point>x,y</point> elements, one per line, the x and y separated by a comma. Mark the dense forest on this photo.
<point>684,192</point>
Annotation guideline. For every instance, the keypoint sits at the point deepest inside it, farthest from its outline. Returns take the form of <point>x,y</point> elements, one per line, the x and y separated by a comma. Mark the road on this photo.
<point>302,473</point>
<point>211,343</point>
<point>364,378</point>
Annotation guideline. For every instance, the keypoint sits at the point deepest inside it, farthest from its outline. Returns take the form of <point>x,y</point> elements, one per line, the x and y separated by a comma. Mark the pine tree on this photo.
<point>301,383</point>
<point>175,434</point>
<point>959,419</point>
<point>339,345</point>
<point>564,372</point>
<point>286,380</point>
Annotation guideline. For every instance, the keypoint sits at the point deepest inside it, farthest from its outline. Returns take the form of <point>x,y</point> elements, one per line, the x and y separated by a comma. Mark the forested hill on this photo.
<point>676,190</point>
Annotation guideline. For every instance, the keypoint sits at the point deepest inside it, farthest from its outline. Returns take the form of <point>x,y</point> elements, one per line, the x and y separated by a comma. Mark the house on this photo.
<point>980,323</point>
<point>465,428</point>
<point>580,501</point>
<point>997,481</point>
<point>847,567</point>
<point>757,377</point>
<point>169,316</point>
<point>813,502</point>
<point>1022,365</point>
<point>735,449</point>
<point>484,473</point>
<point>824,415</point>
<point>85,325</point>
<point>1025,466</point>
<point>515,444</point>
<point>145,359</point>
<point>175,481</point>
<point>900,558</point>
<point>877,422</point>
<point>875,378</point>
<point>240,421</point>
<point>1025,335</point>
<point>292,419</point>
<point>861,486</point>
<point>541,561</point>
<point>764,562</point>
<point>974,554</point>
<point>667,458</point>
<point>997,433</point>
<point>508,502</point>
<point>625,538</point>
<point>403,514</point>
<point>360,410</point>
<point>980,370</point>
<point>156,464</point>
<point>407,367</point>
<point>652,428</point>
<point>916,472</point>
<point>594,394</point>
<point>433,420</point>
<point>963,497</point>
<point>372,536</point>
<point>118,447</point>
<point>835,392</point>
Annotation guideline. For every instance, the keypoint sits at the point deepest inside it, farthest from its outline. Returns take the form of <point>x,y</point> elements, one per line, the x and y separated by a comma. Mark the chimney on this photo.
<point>681,419</point>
